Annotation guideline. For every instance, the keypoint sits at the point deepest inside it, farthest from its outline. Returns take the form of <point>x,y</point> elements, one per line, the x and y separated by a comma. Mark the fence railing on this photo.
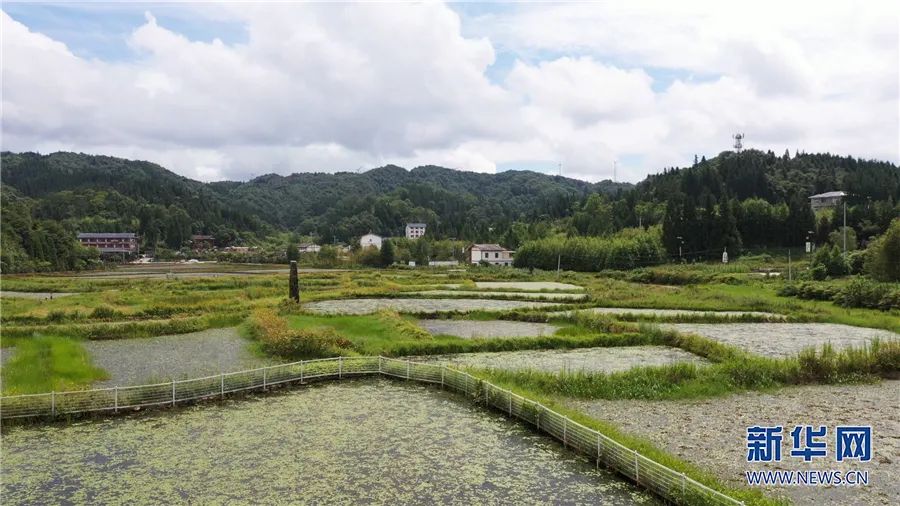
<point>659,479</point>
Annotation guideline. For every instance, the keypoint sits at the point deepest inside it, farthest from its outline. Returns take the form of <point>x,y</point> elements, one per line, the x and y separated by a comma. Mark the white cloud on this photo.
<point>336,87</point>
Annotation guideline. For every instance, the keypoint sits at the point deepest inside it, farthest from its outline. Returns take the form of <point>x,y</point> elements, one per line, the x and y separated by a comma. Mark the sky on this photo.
<point>218,91</point>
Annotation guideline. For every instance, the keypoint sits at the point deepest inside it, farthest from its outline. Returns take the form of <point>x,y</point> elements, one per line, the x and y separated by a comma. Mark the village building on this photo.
<point>493,254</point>
<point>110,242</point>
<point>826,200</point>
<point>370,240</point>
<point>309,248</point>
<point>415,230</point>
<point>202,242</point>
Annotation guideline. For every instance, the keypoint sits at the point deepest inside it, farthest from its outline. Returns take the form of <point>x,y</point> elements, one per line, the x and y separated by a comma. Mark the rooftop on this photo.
<point>489,247</point>
<point>827,195</point>
<point>106,235</point>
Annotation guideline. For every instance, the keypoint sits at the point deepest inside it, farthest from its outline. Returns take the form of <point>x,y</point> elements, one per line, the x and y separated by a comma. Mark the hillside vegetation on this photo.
<point>734,201</point>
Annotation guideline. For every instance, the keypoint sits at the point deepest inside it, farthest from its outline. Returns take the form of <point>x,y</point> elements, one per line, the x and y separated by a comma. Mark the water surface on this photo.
<point>368,441</point>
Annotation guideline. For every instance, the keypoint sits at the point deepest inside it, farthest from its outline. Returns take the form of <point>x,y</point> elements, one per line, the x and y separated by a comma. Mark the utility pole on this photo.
<point>790,273</point>
<point>680,242</point>
<point>845,226</point>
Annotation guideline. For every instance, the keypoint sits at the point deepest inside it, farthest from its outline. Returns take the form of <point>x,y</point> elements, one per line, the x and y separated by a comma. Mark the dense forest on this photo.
<point>751,199</point>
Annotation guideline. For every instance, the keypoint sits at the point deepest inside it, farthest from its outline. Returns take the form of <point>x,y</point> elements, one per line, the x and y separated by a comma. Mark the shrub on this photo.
<point>105,313</point>
<point>57,315</point>
<point>277,338</point>
<point>856,261</point>
<point>828,261</point>
<point>883,255</point>
<point>862,292</point>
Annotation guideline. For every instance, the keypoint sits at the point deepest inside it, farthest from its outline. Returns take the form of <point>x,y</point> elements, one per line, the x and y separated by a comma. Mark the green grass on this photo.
<point>735,372</point>
<point>49,363</point>
<point>373,335</point>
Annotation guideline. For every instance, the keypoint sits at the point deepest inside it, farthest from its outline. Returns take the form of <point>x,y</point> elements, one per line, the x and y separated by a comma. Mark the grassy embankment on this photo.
<point>48,363</point>
<point>732,370</point>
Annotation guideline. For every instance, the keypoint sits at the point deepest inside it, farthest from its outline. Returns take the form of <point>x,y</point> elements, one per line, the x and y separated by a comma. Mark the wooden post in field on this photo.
<point>294,283</point>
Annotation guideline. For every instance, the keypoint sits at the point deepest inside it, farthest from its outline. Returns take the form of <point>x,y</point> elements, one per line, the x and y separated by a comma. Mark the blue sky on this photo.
<point>339,86</point>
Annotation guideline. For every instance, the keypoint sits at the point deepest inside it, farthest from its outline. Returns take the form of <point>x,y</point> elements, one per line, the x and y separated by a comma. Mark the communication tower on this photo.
<point>738,145</point>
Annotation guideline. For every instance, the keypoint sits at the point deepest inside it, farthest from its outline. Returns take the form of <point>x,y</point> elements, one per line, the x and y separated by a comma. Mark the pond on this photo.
<point>35,295</point>
<point>366,306</point>
<point>611,359</point>
<point>181,356</point>
<point>524,295</point>
<point>672,312</point>
<point>335,443</point>
<point>711,433</point>
<point>783,339</point>
<point>469,329</point>
<point>522,285</point>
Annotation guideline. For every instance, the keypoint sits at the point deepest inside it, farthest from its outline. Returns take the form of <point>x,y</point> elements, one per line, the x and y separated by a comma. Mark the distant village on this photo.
<point>125,246</point>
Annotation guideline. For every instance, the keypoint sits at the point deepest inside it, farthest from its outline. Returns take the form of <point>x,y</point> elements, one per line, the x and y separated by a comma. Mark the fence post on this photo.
<point>222,384</point>
<point>598,450</point>
<point>466,385</point>
<point>340,367</point>
<point>380,371</point>
<point>407,369</point>
<point>565,432</point>
<point>265,371</point>
<point>173,392</point>
<point>301,371</point>
<point>509,393</point>
<point>442,375</point>
<point>682,487</point>
<point>538,417</point>
<point>117,399</point>
<point>53,403</point>
<point>637,477</point>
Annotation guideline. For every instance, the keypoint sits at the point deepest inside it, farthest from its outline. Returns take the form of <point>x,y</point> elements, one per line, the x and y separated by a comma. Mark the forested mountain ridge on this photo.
<point>78,192</point>
<point>751,198</point>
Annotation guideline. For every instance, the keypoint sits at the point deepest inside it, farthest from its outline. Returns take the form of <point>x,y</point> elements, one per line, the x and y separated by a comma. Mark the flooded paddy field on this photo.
<point>783,339</point>
<point>349,443</point>
<point>711,433</point>
<point>35,295</point>
<point>526,295</point>
<point>521,285</point>
<point>609,359</point>
<point>163,358</point>
<point>673,312</point>
<point>366,306</point>
<point>469,329</point>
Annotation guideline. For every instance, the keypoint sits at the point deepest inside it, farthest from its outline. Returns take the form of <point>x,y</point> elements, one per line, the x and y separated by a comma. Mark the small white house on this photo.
<point>415,230</point>
<point>493,254</point>
<point>370,239</point>
<point>825,200</point>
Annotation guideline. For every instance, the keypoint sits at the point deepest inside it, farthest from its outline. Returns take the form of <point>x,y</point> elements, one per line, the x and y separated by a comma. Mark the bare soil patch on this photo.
<point>711,433</point>
<point>783,339</point>
<point>611,359</point>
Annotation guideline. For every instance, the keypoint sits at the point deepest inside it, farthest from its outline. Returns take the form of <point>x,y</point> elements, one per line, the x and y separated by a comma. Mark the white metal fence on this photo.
<point>663,481</point>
